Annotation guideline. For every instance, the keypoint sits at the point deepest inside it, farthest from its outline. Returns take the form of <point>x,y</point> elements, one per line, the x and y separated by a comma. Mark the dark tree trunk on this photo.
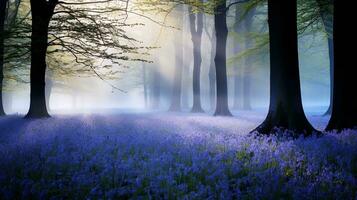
<point>41,12</point>
<point>177,87</point>
<point>285,111</point>
<point>344,109</point>
<point>212,72</point>
<point>196,27</point>
<point>220,22</point>
<point>2,35</point>
<point>248,22</point>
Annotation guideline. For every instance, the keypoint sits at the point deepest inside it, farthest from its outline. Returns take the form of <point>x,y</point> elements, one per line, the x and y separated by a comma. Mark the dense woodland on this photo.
<point>37,33</point>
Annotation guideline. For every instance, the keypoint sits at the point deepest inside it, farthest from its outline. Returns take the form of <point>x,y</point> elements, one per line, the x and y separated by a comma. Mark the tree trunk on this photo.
<point>212,72</point>
<point>285,111</point>
<point>177,87</point>
<point>196,27</point>
<point>344,109</point>
<point>220,23</point>
<point>2,35</point>
<point>41,12</point>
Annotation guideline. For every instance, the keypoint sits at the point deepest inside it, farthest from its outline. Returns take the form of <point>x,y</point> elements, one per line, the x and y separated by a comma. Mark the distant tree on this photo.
<point>177,85</point>
<point>285,110</point>
<point>212,66</point>
<point>344,108</point>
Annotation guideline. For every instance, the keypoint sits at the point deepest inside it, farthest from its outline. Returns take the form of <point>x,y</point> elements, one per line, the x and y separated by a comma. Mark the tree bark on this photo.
<point>177,87</point>
<point>41,11</point>
<point>344,109</point>
<point>2,35</point>
<point>212,72</point>
<point>285,111</point>
<point>220,22</point>
<point>196,27</point>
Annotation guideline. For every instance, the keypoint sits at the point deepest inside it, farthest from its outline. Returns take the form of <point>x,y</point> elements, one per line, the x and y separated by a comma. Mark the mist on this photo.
<point>92,95</point>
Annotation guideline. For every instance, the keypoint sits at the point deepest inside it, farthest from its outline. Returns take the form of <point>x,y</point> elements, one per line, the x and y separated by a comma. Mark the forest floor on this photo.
<point>170,156</point>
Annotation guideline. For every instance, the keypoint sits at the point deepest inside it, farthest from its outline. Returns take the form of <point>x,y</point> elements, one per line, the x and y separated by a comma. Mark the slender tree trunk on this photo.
<point>344,109</point>
<point>248,22</point>
<point>212,72</point>
<point>285,109</point>
<point>220,22</point>
<point>177,87</point>
<point>196,27</point>
<point>41,12</point>
<point>2,35</point>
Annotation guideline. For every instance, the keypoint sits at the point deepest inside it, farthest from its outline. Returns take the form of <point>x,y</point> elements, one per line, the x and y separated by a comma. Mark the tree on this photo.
<point>344,108</point>
<point>85,33</point>
<point>196,27</point>
<point>212,69</point>
<point>220,22</point>
<point>285,110</point>
<point>177,85</point>
<point>42,12</point>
